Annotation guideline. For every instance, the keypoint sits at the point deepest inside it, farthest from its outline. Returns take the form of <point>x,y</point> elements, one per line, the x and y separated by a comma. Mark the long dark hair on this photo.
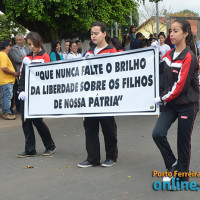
<point>103,29</point>
<point>53,48</point>
<point>131,28</point>
<point>186,27</point>
<point>35,38</point>
<point>161,34</point>
<point>116,43</point>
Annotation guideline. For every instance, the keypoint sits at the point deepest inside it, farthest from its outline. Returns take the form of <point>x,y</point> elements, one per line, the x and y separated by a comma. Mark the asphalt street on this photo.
<point>57,177</point>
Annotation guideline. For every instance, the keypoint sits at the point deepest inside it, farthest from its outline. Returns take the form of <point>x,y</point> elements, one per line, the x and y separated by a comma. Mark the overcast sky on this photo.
<point>177,5</point>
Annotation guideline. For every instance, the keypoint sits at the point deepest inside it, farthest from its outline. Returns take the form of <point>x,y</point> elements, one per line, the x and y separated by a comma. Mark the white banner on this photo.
<point>124,83</point>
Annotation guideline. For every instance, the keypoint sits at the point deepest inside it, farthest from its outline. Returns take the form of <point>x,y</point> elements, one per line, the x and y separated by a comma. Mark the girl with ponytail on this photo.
<point>180,97</point>
<point>100,38</point>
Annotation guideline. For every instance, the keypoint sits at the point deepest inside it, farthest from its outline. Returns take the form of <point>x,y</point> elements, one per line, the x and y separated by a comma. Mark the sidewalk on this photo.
<point>10,123</point>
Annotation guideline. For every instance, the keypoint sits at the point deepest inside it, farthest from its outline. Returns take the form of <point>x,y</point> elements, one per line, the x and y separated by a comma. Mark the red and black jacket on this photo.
<point>41,57</point>
<point>107,49</point>
<point>181,78</point>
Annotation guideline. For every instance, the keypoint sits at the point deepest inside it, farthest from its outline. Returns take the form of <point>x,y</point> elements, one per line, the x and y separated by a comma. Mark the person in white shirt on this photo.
<point>73,51</point>
<point>67,50</point>
<point>163,48</point>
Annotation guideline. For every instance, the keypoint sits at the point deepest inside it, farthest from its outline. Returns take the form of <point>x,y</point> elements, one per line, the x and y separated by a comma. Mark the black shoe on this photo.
<point>172,169</point>
<point>24,154</point>
<point>49,152</point>
<point>108,163</point>
<point>86,164</point>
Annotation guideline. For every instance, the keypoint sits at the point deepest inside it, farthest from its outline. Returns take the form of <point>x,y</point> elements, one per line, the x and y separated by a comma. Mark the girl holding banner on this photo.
<point>181,95</point>
<point>37,54</point>
<point>99,37</point>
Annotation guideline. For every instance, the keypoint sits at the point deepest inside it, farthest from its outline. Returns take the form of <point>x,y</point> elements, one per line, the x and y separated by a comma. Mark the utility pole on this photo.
<point>116,28</point>
<point>157,19</point>
<point>131,17</point>
<point>111,30</point>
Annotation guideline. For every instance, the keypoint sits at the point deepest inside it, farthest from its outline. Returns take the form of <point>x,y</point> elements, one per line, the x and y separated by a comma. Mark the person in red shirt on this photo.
<point>38,54</point>
<point>100,37</point>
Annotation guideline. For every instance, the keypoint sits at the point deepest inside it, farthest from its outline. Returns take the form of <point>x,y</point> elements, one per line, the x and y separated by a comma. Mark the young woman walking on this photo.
<point>181,95</point>
<point>100,37</point>
<point>37,54</point>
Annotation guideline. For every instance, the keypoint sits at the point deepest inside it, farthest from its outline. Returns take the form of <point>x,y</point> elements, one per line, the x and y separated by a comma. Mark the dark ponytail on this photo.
<point>186,27</point>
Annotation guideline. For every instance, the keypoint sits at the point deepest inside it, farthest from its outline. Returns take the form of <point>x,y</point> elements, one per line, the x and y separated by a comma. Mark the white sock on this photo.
<point>175,163</point>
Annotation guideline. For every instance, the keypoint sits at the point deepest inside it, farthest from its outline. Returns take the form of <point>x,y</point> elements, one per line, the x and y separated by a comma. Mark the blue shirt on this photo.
<point>53,56</point>
<point>135,44</point>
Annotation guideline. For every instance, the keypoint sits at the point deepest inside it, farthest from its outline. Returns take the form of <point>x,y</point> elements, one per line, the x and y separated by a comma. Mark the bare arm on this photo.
<point>7,71</point>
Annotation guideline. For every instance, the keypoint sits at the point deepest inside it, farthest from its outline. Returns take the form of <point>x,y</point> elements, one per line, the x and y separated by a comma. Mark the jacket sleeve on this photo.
<point>26,61</point>
<point>46,58</point>
<point>15,56</point>
<point>184,79</point>
<point>113,50</point>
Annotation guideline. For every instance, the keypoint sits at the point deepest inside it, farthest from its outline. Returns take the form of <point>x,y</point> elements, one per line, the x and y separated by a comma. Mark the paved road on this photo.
<point>58,178</point>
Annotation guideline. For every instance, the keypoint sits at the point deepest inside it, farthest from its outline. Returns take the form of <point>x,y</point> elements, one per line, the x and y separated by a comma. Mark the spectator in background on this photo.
<point>153,42</point>
<point>117,44</point>
<point>150,35</point>
<point>73,51</point>
<point>56,51</point>
<point>143,43</point>
<point>197,45</point>
<point>126,42</point>
<point>16,55</point>
<point>67,50</point>
<point>91,45</point>
<point>155,36</point>
<point>163,48</point>
<point>79,45</point>
<point>7,80</point>
<point>135,44</point>
<point>132,35</point>
<point>13,41</point>
<point>168,40</point>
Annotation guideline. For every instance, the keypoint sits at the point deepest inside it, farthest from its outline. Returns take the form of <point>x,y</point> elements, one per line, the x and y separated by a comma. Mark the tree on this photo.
<point>135,20</point>
<point>9,28</point>
<point>65,18</point>
<point>155,1</point>
<point>185,13</point>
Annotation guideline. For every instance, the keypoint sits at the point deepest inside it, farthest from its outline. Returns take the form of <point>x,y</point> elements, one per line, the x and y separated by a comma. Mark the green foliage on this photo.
<point>66,18</point>
<point>135,20</point>
<point>9,28</point>
<point>185,13</point>
<point>155,1</point>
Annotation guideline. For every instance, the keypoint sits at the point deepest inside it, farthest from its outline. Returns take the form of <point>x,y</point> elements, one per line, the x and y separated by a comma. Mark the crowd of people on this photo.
<point>178,66</point>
